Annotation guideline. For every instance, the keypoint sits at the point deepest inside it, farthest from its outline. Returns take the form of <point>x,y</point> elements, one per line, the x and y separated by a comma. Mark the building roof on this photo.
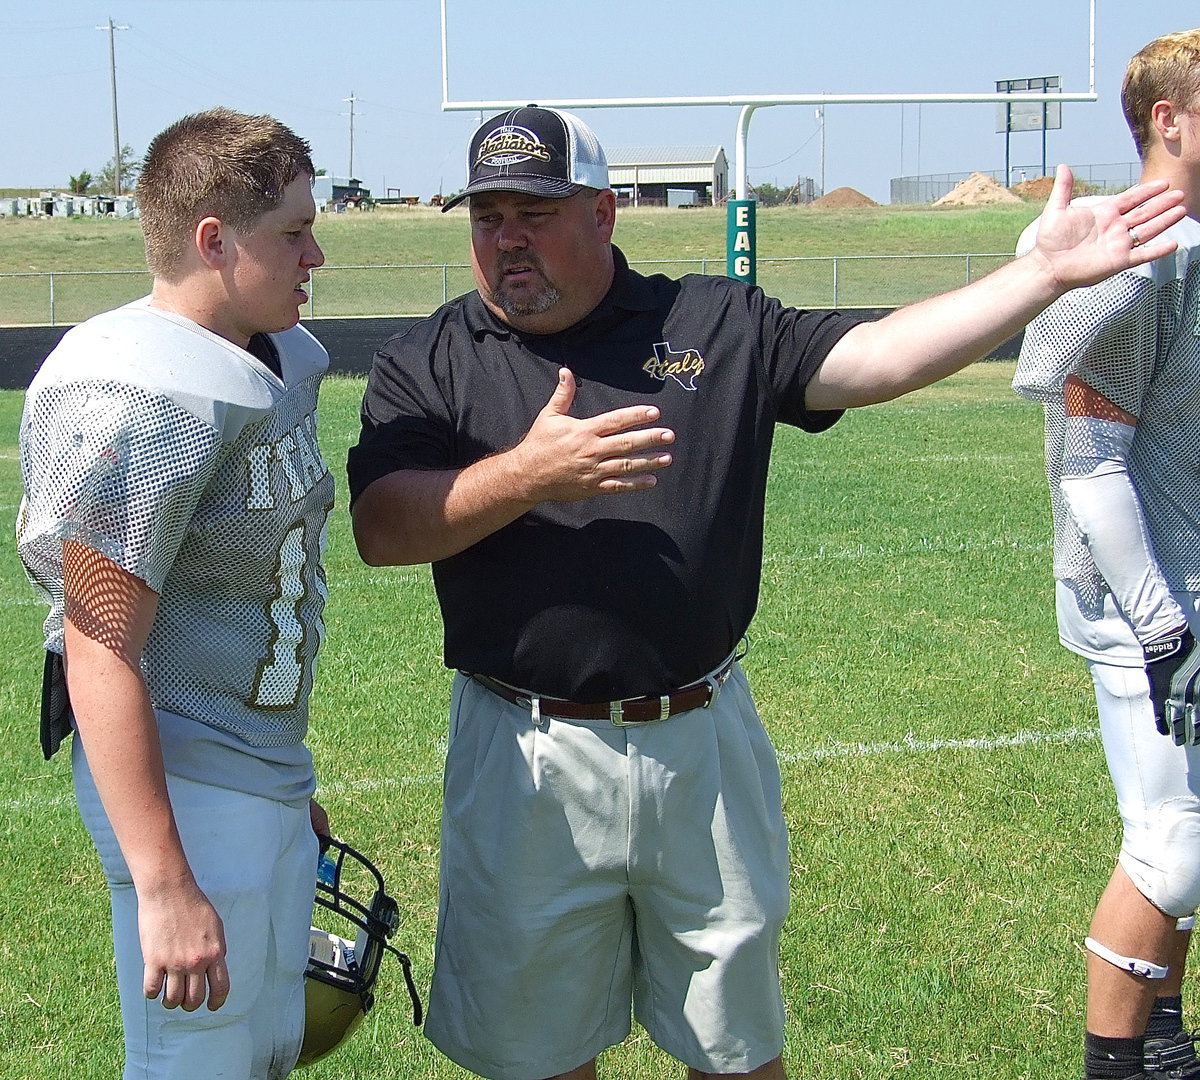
<point>664,155</point>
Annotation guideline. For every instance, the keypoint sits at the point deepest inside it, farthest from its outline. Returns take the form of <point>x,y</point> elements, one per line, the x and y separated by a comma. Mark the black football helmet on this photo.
<point>339,984</point>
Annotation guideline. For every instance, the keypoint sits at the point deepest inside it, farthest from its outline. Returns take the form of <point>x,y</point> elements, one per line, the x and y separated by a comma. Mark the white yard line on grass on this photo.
<point>862,551</point>
<point>909,745</point>
<point>366,783</point>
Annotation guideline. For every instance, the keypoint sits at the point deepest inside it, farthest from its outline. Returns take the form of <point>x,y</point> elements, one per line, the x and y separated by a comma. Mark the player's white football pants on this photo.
<point>1158,792</point>
<point>255,859</point>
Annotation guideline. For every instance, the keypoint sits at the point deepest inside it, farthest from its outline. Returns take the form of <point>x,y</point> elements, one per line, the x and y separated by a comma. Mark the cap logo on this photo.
<point>510,145</point>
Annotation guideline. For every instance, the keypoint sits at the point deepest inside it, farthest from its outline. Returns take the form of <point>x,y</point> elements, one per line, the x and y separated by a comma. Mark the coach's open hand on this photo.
<point>1087,242</point>
<point>417,515</point>
<point>564,459</point>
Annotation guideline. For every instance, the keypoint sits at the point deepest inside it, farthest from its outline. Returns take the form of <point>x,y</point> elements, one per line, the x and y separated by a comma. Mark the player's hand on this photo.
<point>565,459</point>
<point>319,818</point>
<point>183,949</point>
<point>1084,244</point>
<point>1173,668</point>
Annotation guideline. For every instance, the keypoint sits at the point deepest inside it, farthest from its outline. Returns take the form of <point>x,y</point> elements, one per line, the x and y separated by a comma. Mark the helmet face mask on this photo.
<point>342,971</point>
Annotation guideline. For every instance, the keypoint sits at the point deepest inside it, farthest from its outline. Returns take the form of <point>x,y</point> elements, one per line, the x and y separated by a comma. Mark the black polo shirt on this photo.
<point>618,595</point>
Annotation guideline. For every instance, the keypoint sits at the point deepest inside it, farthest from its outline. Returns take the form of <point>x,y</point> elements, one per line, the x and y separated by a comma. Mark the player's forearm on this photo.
<point>414,516</point>
<point>116,722</point>
<point>1105,507</point>
<point>927,341</point>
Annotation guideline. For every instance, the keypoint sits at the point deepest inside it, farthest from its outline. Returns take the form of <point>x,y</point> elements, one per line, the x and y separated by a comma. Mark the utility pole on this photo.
<point>112,68</point>
<point>351,99</point>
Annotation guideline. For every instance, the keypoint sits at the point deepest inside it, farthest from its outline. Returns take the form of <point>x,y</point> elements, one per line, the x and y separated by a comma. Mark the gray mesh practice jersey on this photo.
<point>1136,339</point>
<point>190,464</point>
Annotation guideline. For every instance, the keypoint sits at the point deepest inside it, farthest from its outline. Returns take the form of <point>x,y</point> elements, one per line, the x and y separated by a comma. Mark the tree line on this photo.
<point>105,182</point>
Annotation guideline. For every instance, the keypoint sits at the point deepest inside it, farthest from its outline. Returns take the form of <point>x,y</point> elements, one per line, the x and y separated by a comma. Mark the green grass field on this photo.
<point>423,235</point>
<point>950,815</point>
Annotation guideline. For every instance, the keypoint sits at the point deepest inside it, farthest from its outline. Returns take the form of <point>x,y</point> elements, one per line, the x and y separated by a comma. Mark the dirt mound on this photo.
<point>843,198</point>
<point>1034,190</point>
<point>978,190</point>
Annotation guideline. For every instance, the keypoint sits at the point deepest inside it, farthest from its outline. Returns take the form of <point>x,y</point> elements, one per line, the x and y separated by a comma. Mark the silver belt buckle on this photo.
<point>616,713</point>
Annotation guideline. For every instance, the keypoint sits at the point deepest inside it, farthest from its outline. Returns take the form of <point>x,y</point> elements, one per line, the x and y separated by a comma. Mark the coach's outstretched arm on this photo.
<point>1076,246</point>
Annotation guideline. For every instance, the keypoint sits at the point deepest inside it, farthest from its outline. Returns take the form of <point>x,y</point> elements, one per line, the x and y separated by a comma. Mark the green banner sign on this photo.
<point>739,240</point>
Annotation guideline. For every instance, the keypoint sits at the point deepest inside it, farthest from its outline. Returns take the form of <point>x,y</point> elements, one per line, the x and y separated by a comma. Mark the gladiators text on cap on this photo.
<point>544,152</point>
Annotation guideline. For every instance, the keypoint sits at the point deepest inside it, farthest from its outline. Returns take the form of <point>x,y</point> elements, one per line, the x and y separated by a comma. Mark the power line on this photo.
<point>793,153</point>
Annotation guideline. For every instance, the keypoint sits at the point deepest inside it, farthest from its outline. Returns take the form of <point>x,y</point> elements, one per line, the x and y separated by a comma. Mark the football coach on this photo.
<point>581,452</point>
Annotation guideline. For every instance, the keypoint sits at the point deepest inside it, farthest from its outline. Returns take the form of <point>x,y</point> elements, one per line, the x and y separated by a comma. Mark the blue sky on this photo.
<point>299,60</point>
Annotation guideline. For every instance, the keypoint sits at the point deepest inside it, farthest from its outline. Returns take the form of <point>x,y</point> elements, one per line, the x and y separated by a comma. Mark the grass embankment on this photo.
<point>423,235</point>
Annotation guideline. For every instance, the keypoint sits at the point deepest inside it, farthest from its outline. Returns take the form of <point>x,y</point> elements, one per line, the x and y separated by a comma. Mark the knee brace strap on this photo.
<point>1142,968</point>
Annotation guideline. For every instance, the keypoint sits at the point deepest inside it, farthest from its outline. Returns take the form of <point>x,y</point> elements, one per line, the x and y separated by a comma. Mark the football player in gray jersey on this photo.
<point>174,518</point>
<point>1117,367</point>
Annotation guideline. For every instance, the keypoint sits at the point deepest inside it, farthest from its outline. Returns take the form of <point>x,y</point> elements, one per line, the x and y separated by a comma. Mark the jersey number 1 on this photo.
<point>281,674</point>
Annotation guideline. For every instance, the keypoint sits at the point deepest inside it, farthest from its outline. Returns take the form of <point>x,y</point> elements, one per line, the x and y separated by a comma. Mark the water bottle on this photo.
<point>327,870</point>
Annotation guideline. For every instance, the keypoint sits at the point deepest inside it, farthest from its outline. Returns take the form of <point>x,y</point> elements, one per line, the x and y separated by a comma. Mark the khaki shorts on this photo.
<point>586,868</point>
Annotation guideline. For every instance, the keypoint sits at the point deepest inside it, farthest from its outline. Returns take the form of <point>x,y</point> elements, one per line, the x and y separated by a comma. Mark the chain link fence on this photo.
<point>1108,179</point>
<point>875,281</point>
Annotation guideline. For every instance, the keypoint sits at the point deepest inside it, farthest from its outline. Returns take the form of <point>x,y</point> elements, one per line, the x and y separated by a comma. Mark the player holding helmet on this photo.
<point>1118,369</point>
<point>174,517</point>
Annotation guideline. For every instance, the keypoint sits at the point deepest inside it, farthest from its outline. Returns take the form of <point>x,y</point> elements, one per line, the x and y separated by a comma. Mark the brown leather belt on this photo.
<point>639,710</point>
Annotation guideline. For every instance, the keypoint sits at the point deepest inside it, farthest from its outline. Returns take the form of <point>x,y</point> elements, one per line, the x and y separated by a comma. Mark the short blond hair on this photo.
<point>1168,69</point>
<point>218,163</point>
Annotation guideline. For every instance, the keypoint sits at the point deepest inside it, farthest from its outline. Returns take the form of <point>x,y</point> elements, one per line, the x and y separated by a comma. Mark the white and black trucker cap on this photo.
<point>536,151</point>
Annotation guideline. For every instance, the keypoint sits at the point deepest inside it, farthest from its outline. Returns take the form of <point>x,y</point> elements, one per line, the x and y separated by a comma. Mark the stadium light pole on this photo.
<point>112,69</point>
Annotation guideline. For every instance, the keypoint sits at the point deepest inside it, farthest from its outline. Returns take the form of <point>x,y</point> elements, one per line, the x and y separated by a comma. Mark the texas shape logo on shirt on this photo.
<point>684,367</point>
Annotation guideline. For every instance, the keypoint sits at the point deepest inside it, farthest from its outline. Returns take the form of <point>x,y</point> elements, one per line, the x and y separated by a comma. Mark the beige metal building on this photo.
<point>669,175</point>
